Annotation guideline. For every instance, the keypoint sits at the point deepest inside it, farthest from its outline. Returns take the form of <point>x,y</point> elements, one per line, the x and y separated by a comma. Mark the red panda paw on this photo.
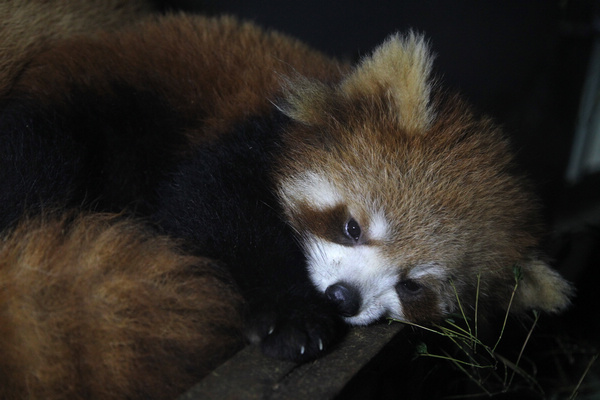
<point>298,329</point>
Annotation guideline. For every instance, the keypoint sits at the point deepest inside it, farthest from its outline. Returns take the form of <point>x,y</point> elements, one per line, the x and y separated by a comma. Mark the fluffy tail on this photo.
<point>97,307</point>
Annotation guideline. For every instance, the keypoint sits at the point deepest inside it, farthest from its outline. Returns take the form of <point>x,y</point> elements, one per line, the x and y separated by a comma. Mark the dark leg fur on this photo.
<point>101,152</point>
<point>221,201</point>
<point>109,152</point>
<point>38,168</point>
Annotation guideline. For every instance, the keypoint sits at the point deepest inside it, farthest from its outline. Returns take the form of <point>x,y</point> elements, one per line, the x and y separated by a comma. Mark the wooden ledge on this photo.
<point>251,375</point>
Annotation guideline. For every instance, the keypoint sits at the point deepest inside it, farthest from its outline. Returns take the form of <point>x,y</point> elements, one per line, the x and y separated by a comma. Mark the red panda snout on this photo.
<point>346,297</point>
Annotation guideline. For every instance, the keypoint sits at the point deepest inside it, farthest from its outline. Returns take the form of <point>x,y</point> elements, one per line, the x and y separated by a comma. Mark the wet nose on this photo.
<point>346,297</point>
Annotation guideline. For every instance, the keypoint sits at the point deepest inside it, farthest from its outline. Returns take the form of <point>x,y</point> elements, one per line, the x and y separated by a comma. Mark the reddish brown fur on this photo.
<point>94,306</point>
<point>28,26</point>
<point>218,69</point>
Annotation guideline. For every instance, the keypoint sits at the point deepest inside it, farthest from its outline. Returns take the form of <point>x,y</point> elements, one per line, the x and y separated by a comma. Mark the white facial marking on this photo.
<point>428,269</point>
<point>378,228</point>
<point>361,266</point>
<point>314,189</point>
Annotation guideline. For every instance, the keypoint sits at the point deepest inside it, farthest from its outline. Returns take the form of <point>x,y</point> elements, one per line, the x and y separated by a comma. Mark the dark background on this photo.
<point>523,62</point>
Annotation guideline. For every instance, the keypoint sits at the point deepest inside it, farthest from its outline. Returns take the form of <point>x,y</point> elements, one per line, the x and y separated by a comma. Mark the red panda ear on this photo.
<point>541,288</point>
<point>400,67</point>
<point>304,100</point>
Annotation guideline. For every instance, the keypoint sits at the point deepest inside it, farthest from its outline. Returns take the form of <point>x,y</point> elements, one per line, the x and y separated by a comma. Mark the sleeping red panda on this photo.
<point>331,193</point>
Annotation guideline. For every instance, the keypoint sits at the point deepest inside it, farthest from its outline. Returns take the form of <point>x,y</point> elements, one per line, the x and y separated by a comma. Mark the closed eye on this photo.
<point>408,287</point>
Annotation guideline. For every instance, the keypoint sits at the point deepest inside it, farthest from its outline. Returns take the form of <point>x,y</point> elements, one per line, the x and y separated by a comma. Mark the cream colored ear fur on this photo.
<point>541,288</point>
<point>400,69</point>
<point>305,99</point>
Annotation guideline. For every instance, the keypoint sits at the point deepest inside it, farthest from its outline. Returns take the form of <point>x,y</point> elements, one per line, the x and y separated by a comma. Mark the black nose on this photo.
<point>346,297</point>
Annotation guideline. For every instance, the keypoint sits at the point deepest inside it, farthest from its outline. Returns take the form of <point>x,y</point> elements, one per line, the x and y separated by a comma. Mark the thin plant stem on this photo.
<point>512,296</point>
<point>587,369</point>
<point>456,360</point>
<point>461,308</point>
<point>419,326</point>
<point>535,321</point>
<point>477,302</point>
<point>458,332</point>
<point>476,381</point>
<point>521,372</point>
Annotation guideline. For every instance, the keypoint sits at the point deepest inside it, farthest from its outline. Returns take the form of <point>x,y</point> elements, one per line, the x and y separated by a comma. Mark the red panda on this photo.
<point>333,194</point>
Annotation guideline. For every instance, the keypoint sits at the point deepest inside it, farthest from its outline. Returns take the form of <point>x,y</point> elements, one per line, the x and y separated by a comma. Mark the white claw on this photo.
<point>271,329</point>
<point>302,350</point>
<point>320,345</point>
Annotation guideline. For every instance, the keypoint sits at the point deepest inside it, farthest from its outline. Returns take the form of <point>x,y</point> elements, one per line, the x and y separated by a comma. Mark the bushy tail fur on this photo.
<point>97,307</point>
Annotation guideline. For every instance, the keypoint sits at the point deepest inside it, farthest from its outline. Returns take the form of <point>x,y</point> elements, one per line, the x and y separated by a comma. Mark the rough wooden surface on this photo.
<point>250,375</point>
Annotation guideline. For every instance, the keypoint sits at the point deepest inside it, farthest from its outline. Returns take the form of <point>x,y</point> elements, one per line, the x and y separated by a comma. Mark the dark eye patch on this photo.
<point>333,224</point>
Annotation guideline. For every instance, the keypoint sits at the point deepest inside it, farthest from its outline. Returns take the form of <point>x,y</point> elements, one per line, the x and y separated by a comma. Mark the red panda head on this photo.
<point>404,201</point>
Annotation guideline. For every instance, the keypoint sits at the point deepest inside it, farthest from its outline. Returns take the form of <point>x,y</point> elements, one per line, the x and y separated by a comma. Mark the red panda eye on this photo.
<point>353,229</point>
<point>409,286</point>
